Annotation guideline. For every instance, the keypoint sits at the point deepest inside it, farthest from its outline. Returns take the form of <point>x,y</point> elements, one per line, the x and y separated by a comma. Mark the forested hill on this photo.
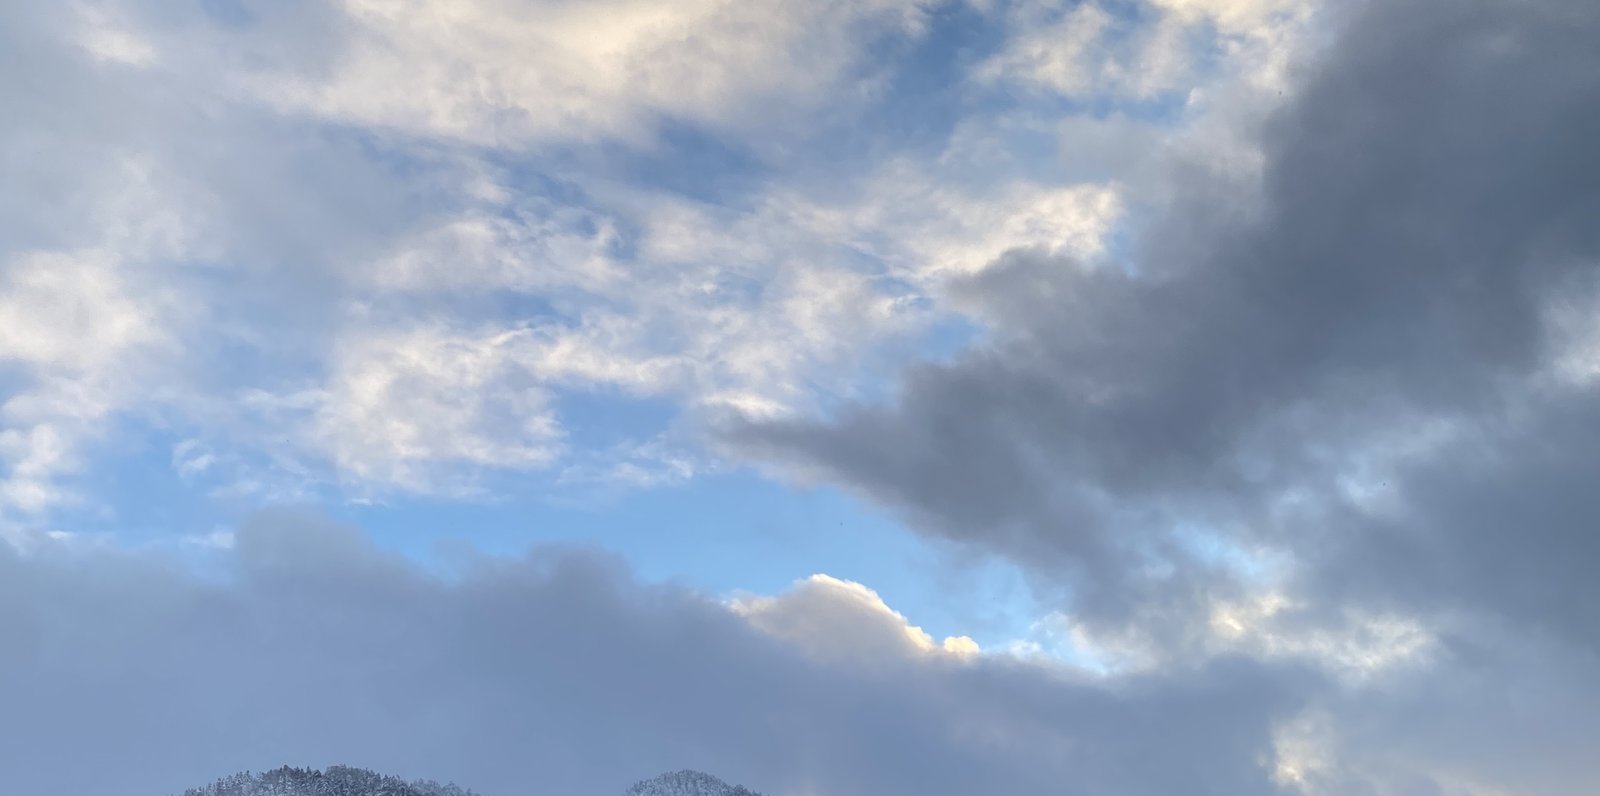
<point>687,783</point>
<point>346,781</point>
<point>335,781</point>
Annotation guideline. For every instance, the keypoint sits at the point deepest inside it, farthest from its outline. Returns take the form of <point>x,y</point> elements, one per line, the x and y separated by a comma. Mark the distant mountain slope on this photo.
<point>335,781</point>
<point>687,783</point>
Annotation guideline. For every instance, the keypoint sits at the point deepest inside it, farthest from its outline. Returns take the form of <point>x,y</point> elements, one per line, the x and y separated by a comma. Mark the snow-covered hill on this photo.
<point>345,781</point>
<point>335,781</point>
<point>687,783</point>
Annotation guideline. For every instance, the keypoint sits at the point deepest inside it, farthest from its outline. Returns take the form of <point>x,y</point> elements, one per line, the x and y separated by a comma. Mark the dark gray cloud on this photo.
<point>1503,711</point>
<point>554,674</point>
<point>1428,196</point>
<point>1501,522</point>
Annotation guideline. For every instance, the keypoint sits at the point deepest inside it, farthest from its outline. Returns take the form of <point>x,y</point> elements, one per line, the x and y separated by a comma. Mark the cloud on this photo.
<point>401,404</point>
<point>1269,357</point>
<point>559,673</point>
<point>1300,436</point>
<point>295,257</point>
<point>837,618</point>
<point>79,328</point>
<point>108,41</point>
<point>1149,50</point>
<point>118,244</point>
<point>306,184</point>
<point>1352,382</point>
<point>502,72</point>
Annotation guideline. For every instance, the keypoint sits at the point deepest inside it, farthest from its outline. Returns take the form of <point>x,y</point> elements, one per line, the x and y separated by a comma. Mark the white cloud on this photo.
<point>400,405</point>
<point>1359,649</point>
<point>191,457</point>
<point>765,311</point>
<point>72,312</point>
<point>86,328</point>
<point>540,247</point>
<point>841,619</point>
<point>1087,50</point>
<point>1066,56</point>
<point>1247,17</point>
<point>218,539</point>
<point>647,465</point>
<point>360,288</point>
<point>1303,751</point>
<point>503,71</point>
<point>1356,647</point>
<point>111,40</point>
<point>1573,326</point>
<point>927,228</point>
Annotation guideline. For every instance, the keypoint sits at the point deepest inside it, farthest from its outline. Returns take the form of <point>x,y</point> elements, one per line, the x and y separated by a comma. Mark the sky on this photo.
<point>844,397</point>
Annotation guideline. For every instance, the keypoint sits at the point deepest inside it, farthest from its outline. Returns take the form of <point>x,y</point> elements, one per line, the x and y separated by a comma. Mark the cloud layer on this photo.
<point>1275,367</point>
<point>1350,388</point>
<point>559,673</point>
<point>312,221</point>
<point>1329,366</point>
